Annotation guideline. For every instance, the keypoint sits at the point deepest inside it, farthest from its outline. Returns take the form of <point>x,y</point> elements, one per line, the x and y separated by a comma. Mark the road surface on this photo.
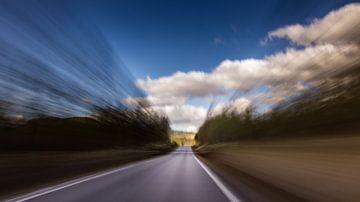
<point>178,176</point>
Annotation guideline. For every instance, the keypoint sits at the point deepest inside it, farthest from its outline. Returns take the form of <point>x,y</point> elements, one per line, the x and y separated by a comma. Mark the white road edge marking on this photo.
<point>218,182</point>
<point>70,183</point>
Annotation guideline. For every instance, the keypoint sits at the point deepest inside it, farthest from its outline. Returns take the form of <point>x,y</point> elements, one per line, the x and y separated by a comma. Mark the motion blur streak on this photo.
<point>56,63</point>
<point>63,87</point>
<point>62,92</point>
<point>285,75</point>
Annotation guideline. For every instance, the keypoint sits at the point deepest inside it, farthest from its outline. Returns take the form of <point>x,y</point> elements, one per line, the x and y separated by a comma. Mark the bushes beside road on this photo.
<point>325,108</point>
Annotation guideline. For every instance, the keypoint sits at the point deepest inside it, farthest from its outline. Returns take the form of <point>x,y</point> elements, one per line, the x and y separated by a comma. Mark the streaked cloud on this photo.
<point>289,66</point>
<point>181,84</point>
<point>328,45</point>
<point>337,27</point>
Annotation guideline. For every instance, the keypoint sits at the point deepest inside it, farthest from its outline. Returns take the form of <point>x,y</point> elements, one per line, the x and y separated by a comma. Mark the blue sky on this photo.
<point>157,38</point>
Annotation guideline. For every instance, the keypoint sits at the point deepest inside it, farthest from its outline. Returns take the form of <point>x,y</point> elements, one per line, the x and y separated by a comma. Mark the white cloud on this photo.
<point>184,117</point>
<point>290,66</point>
<point>330,45</point>
<point>337,27</point>
<point>171,100</point>
<point>155,101</point>
<point>181,84</point>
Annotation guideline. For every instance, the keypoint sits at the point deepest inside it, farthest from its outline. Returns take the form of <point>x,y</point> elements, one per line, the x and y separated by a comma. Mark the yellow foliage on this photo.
<point>183,138</point>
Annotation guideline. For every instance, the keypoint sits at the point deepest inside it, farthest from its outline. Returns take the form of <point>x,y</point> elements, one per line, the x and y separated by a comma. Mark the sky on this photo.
<point>157,38</point>
<point>189,55</point>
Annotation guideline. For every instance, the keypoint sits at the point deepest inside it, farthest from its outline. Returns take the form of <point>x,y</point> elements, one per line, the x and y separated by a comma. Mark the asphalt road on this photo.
<point>178,176</point>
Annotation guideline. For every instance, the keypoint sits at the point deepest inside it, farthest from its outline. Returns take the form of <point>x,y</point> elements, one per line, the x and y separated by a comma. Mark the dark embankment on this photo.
<point>116,129</point>
<point>305,149</point>
<point>303,169</point>
<point>46,151</point>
